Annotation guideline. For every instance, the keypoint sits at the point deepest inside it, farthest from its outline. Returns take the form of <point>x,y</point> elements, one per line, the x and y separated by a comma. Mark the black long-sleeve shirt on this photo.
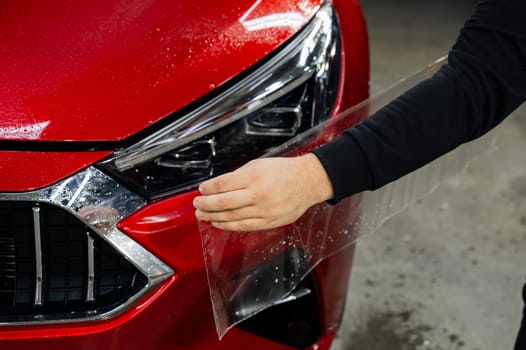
<point>483,82</point>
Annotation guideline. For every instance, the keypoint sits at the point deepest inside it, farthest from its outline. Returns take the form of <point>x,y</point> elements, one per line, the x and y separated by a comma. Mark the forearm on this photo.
<point>484,81</point>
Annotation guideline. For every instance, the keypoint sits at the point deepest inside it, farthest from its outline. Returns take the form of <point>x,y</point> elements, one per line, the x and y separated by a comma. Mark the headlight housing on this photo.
<point>292,91</point>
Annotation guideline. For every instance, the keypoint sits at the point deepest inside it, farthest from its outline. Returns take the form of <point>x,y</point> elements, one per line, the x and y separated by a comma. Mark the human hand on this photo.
<point>263,194</point>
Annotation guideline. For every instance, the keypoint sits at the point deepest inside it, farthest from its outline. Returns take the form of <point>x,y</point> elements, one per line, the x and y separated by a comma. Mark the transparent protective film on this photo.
<point>251,271</point>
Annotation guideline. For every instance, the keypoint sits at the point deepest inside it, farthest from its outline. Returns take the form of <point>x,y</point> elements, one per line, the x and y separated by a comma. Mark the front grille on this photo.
<point>53,267</point>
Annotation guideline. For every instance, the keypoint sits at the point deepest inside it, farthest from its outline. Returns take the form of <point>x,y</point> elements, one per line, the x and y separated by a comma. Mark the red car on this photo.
<point>111,112</point>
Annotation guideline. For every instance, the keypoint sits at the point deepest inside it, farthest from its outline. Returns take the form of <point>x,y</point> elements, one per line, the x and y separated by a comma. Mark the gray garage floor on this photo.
<point>447,273</point>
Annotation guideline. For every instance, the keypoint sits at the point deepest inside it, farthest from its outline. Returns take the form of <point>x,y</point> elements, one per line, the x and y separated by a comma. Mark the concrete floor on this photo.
<point>446,273</point>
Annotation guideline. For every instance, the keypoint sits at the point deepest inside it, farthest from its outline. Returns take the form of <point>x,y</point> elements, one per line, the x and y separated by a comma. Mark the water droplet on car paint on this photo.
<point>212,86</point>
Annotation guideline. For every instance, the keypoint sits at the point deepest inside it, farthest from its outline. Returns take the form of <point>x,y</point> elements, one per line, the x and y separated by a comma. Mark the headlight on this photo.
<point>291,92</point>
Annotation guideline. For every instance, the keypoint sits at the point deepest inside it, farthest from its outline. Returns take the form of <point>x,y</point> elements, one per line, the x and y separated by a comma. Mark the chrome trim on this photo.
<point>90,290</point>
<point>38,257</point>
<point>99,202</point>
<point>301,59</point>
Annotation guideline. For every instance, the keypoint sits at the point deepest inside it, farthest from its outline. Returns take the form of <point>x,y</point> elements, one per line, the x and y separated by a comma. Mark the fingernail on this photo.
<point>195,202</point>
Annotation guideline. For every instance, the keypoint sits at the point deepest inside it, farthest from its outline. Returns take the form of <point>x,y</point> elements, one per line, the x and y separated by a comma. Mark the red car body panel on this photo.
<point>29,170</point>
<point>104,71</point>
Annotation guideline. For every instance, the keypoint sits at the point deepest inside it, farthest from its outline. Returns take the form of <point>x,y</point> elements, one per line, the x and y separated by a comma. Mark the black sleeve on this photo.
<point>483,82</point>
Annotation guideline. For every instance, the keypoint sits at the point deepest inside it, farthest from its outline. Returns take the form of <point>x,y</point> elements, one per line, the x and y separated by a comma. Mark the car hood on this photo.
<point>103,70</point>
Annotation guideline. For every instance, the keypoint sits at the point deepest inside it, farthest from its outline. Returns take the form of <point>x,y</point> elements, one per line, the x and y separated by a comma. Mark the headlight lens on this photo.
<point>291,92</point>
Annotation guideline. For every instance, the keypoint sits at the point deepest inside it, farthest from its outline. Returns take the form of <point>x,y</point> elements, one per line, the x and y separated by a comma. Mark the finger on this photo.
<point>223,201</point>
<point>224,183</point>
<point>248,225</point>
<point>229,215</point>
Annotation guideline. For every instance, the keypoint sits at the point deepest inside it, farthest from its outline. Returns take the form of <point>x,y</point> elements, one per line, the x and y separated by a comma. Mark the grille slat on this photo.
<point>39,278</point>
<point>53,267</point>
<point>90,294</point>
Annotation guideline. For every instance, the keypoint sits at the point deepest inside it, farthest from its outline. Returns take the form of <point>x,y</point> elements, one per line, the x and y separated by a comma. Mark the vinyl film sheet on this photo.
<point>251,271</point>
